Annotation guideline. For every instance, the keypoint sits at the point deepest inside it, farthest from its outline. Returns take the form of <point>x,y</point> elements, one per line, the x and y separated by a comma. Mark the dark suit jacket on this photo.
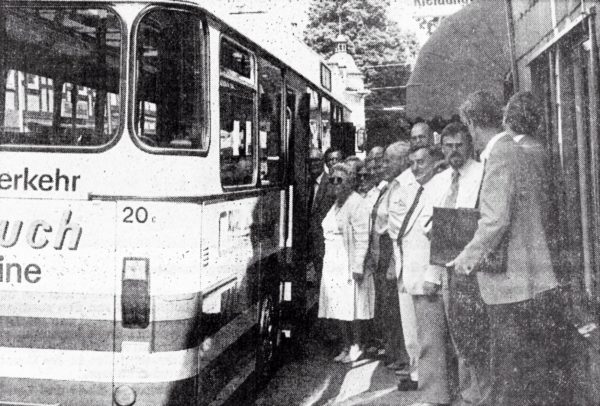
<point>512,200</point>
<point>323,201</point>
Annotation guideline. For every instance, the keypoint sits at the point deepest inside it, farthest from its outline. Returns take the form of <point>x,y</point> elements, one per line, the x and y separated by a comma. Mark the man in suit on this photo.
<point>332,157</point>
<point>419,279</point>
<point>511,211</point>
<point>320,200</point>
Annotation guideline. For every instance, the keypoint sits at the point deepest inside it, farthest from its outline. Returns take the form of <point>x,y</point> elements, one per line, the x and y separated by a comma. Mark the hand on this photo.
<point>358,277</point>
<point>390,274</point>
<point>430,288</point>
<point>461,266</point>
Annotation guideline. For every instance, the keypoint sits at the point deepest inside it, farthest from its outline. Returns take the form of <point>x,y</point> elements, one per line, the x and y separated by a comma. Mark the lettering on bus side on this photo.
<point>28,180</point>
<point>38,234</point>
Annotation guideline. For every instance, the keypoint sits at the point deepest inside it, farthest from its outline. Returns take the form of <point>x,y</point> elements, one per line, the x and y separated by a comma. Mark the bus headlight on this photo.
<point>125,395</point>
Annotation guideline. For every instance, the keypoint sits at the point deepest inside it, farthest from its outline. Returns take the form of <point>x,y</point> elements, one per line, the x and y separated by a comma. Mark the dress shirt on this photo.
<point>518,138</point>
<point>406,185</point>
<point>381,219</point>
<point>469,181</point>
<point>485,154</point>
<point>373,194</point>
<point>316,185</point>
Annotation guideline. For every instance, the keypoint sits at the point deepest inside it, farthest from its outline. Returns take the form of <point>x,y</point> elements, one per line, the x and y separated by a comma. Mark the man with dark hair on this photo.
<point>408,204</point>
<point>510,225</point>
<point>467,319</point>
<point>421,135</point>
<point>332,156</point>
<point>320,200</point>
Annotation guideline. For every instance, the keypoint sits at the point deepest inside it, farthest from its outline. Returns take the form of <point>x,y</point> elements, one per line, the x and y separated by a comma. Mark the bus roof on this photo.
<point>282,45</point>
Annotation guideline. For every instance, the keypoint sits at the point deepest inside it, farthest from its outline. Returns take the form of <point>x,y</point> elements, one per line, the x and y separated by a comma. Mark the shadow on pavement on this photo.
<point>315,380</point>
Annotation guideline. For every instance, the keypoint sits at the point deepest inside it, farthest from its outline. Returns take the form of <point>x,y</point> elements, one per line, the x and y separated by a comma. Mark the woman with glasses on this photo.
<point>347,294</point>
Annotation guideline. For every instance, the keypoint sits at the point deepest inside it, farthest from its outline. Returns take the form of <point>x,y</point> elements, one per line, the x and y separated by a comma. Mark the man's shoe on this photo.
<point>341,356</point>
<point>402,372</point>
<point>406,385</point>
<point>353,355</point>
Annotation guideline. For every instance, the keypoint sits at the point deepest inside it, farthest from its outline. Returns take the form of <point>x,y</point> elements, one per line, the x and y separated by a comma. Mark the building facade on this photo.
<point>554,47</point>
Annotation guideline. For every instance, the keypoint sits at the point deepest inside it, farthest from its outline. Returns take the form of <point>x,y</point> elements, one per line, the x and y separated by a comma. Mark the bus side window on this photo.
<point>269,123</point>
<point>237,144</point>
<point>326,123</point>
<point>169,85</point>
<point>237,130</point>
<point>315,119</point>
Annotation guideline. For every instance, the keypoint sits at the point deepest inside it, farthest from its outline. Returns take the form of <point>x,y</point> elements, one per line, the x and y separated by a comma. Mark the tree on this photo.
<point>374,40</point>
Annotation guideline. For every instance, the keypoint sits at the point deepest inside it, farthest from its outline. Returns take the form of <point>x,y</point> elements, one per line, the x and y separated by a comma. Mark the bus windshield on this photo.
<point>59,72</point>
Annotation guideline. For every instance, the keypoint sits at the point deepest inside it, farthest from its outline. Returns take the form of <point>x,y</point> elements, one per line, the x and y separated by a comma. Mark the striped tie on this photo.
<point>453,193</point>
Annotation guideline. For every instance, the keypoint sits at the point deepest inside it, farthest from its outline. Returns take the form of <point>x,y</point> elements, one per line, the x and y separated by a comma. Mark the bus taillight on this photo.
<point>135,294</point>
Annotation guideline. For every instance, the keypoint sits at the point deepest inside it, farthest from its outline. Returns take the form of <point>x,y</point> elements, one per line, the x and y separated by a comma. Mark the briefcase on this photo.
<point>452,230</point>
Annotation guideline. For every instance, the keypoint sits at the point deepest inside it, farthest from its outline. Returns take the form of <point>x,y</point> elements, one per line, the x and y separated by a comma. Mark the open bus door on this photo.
<point>343,138</point>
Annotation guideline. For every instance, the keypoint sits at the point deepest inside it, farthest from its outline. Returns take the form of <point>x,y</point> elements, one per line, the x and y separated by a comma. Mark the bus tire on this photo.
<point>269,335</point>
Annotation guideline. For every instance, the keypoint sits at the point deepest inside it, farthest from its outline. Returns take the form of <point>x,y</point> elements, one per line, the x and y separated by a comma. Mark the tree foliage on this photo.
<point>374,40</point>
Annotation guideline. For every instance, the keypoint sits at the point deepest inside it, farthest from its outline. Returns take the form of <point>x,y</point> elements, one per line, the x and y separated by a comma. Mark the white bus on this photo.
<point>152,201</point>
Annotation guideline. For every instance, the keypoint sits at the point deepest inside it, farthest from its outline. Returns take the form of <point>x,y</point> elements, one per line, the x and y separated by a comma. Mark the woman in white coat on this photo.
<point>347,294</point>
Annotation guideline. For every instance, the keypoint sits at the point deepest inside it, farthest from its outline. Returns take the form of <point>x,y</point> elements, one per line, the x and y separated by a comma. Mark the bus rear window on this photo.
<point>170,111</point>
<point>59,72</point>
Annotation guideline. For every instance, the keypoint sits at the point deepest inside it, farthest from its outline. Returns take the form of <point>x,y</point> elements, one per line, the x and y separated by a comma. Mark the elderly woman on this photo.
<point>347,294</point>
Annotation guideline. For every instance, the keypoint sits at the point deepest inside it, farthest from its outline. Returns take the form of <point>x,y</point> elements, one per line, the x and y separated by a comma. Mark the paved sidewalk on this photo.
<point>316,380</point>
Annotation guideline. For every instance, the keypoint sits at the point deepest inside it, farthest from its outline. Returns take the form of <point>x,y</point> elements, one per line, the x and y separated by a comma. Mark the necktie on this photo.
<point>412,208</point>
<point>453,192</point>
<point>376,206</point>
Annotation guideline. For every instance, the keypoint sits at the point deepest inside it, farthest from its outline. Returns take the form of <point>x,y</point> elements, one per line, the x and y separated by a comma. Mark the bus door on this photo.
<point>298,128</point>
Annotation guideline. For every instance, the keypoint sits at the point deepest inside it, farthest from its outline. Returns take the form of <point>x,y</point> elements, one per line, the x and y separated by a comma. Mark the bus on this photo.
<point>153,201</point>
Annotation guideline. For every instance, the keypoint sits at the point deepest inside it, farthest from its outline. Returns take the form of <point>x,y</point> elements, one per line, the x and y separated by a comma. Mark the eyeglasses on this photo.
<point>362,175</point>
<point>336,180</point>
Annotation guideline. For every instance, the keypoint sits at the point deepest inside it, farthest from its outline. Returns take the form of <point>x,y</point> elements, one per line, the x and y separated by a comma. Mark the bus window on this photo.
<point>59,74</point>
<point>237,117</point>
<point>236,62</point>
<point>169,86</point>
<point>315,118</point>
<point>269,122</point>
<point>326,122</point>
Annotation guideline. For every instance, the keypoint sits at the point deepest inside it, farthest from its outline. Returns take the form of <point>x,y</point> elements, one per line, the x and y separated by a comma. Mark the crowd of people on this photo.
<point>485,328</point>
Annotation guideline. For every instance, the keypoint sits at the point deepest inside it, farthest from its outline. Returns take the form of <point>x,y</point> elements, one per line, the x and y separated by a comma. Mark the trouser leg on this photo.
<point>509,354</point>
<point>409,330</point>
<point>434,360</point>
<point>394,342</point>
<point>468,326</point>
